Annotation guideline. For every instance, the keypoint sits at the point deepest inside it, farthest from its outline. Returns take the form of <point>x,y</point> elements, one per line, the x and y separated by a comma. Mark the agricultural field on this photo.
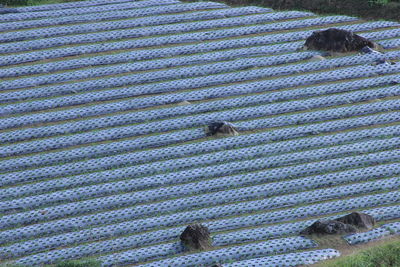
<point>103,105</point>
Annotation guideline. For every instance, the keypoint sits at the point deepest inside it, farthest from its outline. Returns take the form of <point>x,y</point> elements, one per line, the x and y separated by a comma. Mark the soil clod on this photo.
<point>358,219</point>
<point>196,237</point>
<point>221,128</point>
<point>349,223</point>
<point>329,227</point>
<point>337,40</point>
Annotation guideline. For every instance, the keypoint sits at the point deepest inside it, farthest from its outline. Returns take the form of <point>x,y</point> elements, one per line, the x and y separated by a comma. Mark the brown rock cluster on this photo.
<point>347,224</point>
<point>221,128</point>
<point>336,40</point>
<point>196,237</point>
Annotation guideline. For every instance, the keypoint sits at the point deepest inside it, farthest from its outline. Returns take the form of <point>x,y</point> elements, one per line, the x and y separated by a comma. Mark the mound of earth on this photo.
<point>349,223</point>
<point>358,219</point>
<point>196,237</point>
<point>221,128</point>
<point>336,40</point>
<point>329,227</point>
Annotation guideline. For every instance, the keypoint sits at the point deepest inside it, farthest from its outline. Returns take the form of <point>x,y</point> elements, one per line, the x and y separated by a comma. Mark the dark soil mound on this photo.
<point>337,40</point>
<point>358,219</point>
<point>342,225</point>
<point>221,128</point>
<point>329,227</point>
<point>195,237</point>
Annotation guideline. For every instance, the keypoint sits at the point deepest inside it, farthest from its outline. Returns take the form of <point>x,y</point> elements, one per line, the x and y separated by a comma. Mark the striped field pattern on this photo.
<point>100,158</point>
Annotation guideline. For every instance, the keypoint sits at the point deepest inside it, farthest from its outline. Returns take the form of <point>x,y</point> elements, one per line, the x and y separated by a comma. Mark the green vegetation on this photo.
<point>384,255</point>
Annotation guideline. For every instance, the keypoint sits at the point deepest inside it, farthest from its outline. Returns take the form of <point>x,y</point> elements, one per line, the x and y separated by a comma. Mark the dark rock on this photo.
<point>329,227</point>
<point>216,265</point>
<point>337,40</point>
<point>196,237</point>
<point>358,219</point>
<point>221,128</point>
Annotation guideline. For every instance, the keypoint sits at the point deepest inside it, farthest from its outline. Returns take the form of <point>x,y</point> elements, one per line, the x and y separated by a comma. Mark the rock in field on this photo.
<point>336,40</point>
<point>329,227</point>
<point>358,219</point>
<point>349,223</point>
<point>196,237</point>
<point>221,128</point>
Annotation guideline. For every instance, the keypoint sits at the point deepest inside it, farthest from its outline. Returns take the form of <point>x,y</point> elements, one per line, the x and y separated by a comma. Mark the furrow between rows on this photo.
<point>178,38</point>
<point>66,5</point>
<point>203,119</point>
<point>218,79</point>
<point>263,248</point>
<point>252,162</point>
<point>154,100</point>
<point>86,153</point>
<point>161,120</point>
<point>249,220</point>
<point>128,14</point>
<point>264,98</point>
<point>138,184</point>
<point>260,150</point>
<point>153,237</point>
<point>182,23</point>
<point>291,259</point>
<point>148,54</point>
<point>85,10</point>
<point>190,71</point>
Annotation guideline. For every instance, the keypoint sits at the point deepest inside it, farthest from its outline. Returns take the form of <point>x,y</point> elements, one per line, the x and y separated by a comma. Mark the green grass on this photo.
<point>383,255</point>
